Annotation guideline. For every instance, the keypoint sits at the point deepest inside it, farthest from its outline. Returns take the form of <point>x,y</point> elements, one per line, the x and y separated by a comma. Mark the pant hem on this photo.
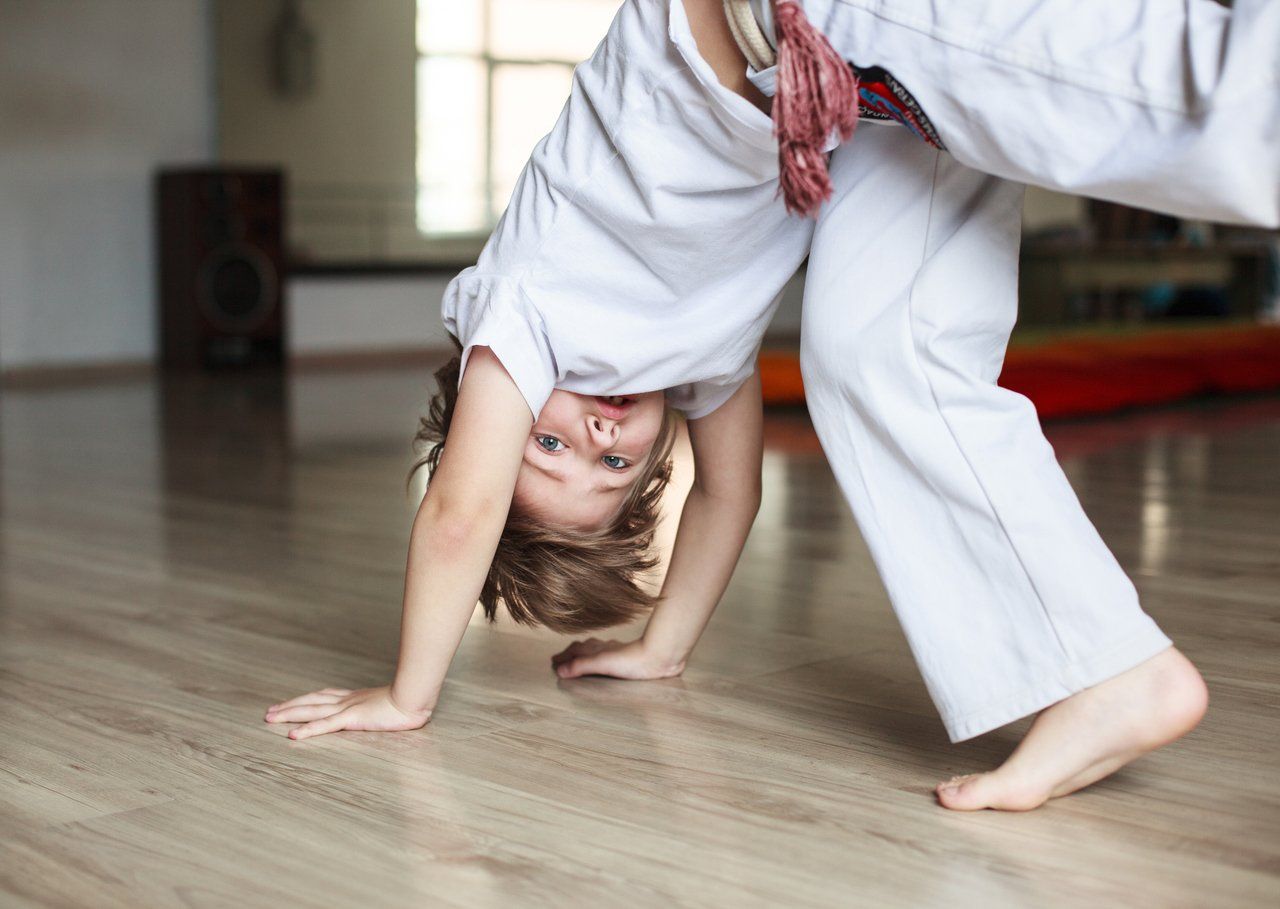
<point>1071,679</point>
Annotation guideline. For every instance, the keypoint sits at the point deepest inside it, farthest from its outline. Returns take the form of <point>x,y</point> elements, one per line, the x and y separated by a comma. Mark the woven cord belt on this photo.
<point>816,96</point>
<point>748,34</point>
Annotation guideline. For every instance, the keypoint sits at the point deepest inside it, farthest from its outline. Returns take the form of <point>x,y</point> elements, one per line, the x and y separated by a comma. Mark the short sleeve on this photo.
<point>702,398</point>
<point>490,311</point>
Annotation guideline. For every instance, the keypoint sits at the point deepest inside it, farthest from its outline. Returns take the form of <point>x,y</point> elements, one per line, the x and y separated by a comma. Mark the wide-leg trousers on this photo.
<point>1171,105</point>
<point>1009,598</point>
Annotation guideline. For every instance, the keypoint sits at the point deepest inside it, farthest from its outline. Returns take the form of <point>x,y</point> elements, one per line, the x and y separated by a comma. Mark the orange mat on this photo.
<point>1086,374</point>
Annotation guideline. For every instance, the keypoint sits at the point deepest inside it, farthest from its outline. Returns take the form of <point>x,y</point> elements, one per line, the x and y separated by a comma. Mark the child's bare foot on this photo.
<point>1089,735</point>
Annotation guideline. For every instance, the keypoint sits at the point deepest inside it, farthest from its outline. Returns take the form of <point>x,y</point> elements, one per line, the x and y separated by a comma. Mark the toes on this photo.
<point>963,793</point>
<point>976,791</point>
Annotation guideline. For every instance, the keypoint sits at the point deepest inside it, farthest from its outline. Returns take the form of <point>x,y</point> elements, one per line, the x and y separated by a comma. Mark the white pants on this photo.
<point>1165,104</point>
<point>1009,598</point>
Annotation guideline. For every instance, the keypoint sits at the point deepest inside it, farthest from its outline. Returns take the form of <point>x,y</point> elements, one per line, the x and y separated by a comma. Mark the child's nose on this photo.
<point>601,427</point>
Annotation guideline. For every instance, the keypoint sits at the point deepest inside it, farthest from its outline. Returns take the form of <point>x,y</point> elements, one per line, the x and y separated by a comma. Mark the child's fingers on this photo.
<point>320,727</point>
<point>302,713</point>
<point>313,697</point>
<point>588,664</point>
<point>590,645</point>
<point>569,669</point>
<point>599,653</point>
<point>621,661</point>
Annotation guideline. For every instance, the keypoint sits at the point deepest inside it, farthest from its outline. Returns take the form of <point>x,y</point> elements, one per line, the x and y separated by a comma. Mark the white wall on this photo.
<point>93,94</point>
<point>357,125</point>
<point>348,146</point>
<point>352,314</point>
<point>330,314</point>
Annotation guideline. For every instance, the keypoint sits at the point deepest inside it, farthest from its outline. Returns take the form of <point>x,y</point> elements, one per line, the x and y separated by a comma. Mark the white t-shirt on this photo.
<point>645,246</point>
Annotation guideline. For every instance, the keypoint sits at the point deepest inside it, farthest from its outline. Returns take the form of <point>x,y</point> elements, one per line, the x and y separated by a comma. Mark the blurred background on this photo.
<point>331,164</point>
<point>225,229</point>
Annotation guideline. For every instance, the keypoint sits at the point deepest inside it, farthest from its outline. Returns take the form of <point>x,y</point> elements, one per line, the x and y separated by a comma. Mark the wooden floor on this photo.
<point>175,558</point>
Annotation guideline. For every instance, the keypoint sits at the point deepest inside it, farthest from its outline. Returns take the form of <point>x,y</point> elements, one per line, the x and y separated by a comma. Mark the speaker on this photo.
<point>221,266</point>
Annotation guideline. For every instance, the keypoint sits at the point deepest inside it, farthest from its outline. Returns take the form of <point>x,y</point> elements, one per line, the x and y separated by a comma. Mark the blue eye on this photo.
<point>553,439</point>
<point>621,462</point>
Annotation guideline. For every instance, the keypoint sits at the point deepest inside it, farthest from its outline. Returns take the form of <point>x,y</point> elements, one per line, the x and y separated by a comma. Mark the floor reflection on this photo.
<point>177,553</point>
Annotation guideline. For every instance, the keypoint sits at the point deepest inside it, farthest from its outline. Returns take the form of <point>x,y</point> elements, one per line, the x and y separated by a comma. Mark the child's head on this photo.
<point>584,456</point>
<point>579,533</point>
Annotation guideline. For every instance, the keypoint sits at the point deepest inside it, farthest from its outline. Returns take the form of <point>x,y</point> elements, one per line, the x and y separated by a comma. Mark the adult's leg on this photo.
<point>1010,600</point>
<point>1171,105</point>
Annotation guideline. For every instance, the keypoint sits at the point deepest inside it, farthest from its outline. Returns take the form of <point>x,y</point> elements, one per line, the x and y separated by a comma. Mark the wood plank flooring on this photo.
<point>175,556</point>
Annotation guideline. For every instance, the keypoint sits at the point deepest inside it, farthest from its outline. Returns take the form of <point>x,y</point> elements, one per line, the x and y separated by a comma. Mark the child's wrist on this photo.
<point>665,658</point>
<point>410,706</point>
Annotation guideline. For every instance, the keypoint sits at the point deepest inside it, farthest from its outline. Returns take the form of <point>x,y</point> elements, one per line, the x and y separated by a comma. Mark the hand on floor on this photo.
<point>619,659</point>
<point>333,709</point>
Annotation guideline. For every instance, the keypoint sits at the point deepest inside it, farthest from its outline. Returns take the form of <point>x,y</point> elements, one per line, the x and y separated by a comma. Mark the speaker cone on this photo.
<point>238,288</point>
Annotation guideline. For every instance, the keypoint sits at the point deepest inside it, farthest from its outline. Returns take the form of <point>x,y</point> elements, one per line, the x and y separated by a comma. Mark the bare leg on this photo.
<point>1089,736</point>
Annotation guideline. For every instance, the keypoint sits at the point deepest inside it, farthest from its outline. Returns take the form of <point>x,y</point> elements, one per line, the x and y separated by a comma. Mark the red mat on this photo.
<point>1087,374</point>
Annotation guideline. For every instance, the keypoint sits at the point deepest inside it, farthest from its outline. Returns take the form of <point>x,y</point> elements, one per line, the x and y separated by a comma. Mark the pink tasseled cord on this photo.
<point>816,93</point>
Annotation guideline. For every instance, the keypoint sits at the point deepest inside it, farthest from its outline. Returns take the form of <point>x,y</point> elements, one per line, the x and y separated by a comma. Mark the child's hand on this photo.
<point>619,659</point>
<point>333,709</point>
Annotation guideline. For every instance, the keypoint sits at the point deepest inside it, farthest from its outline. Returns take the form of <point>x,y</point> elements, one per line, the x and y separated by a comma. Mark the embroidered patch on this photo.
<point>882,97</point>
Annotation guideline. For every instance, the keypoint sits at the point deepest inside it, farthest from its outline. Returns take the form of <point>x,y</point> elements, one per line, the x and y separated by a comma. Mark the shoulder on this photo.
<point>489,312</point>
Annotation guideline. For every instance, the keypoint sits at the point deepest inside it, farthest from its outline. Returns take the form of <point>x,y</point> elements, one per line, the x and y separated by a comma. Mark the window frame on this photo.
<point>491,62</point>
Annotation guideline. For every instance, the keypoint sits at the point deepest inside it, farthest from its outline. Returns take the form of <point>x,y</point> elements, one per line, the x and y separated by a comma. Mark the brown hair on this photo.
<point>565,578</point>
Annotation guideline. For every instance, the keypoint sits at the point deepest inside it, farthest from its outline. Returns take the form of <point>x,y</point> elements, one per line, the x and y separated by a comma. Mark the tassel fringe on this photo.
<point>816,93</point>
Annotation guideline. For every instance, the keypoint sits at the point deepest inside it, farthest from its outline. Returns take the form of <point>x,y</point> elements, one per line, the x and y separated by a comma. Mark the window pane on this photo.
<point>548,29</point>
<point>451,145</point>
<point>527,99</point>
<point>450,26</point>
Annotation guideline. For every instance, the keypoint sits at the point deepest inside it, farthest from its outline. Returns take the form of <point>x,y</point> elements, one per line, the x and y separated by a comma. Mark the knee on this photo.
<point>851,358</point>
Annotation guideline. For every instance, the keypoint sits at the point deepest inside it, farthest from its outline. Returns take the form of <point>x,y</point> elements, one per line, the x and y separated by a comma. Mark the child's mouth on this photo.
<point>615,406</point>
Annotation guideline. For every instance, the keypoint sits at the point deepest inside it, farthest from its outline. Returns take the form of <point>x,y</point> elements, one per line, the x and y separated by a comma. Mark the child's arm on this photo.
<point>718,514</point>
<point>455,534</point>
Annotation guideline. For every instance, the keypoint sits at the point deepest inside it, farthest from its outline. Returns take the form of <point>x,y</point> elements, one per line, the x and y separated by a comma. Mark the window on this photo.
<point>492,78</point>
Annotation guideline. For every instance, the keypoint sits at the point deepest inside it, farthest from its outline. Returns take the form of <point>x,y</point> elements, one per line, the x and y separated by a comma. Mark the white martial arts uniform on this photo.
<point>1009,598</point>
<point>644,248</point>
<point>1171,105</point>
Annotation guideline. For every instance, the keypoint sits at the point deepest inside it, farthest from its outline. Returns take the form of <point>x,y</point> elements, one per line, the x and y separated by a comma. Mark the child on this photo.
<point>1010,601</point>
<point>639,261</point>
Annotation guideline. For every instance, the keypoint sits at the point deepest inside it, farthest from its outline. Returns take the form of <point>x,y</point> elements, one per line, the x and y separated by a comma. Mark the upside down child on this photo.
<point>633,273</point>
